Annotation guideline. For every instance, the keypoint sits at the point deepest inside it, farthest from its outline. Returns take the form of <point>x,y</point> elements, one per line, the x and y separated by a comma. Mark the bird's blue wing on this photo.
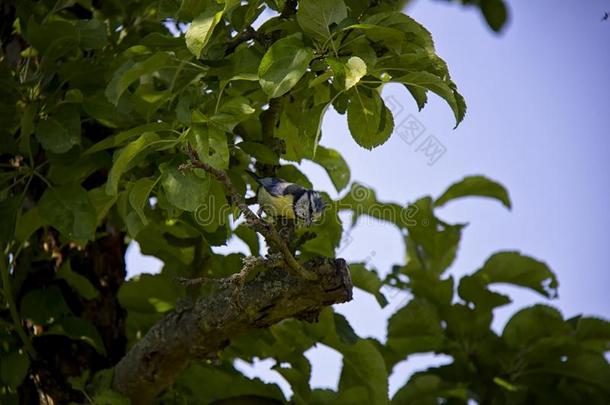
<point>273,185</point>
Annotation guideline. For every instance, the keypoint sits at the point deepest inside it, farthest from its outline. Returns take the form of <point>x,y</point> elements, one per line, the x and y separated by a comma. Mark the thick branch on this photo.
<point>202,329</point>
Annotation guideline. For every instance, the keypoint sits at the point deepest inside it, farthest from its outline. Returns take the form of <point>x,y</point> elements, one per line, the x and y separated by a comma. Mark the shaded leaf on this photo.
<point>69,210</point>
<point>139,195</point>
<point>415,328</point>
<point>60,131</point>
<point>44,306</point>
<point>79,329</point>
<point>475,186</point>
<point>515,268</point>
<point>446,90</point>
<point>532,324</point>
<point>131,71</point>
<point>364,367</point>
<point>367,280</point>
<point>336,167</point>
<point>495,13</point>
<point>428,389</point>
<point>77,281</point>
<point>14,367</point>
<point>250,237</point>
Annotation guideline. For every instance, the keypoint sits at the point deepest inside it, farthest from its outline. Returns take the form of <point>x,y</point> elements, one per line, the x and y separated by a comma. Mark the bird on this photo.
<point>606,16</point>
<point>280,198</point>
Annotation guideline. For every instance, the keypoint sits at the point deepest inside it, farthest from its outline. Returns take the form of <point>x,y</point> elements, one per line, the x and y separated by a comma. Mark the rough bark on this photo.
<point>203,328</point>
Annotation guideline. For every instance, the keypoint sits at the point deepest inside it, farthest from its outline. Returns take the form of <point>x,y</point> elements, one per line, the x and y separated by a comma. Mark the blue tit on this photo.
<point>279,198</point>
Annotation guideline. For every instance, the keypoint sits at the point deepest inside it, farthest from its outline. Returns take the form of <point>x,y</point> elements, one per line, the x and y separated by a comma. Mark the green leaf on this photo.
<point>92,34</point>
<point>316,16</point>
<point>431,243</point>
<point>368,280</point>
<point>355,69</point>
<point>428,389</point>
<point>69,209</point>
<point>131,71</point>
<point>444,89</point>
<point>415,328</point>
<point>79,329</point>
<point>344,330</point>
<point>232,112</point>
<point>147,293</point>
<point>250,237</point>
<point>14,368</point>
<point>8,218</point>
<point>495,13</point>
<point>102,202</point>
<point>79,382</point>
<point>370,121</point>
<point>211,145</point>
<point>60,131</point>
<point>252,390</point>
<point>363,367</point>
<point>533,324</point>
<point>110,397</point>
<point>283,65</point>
<point>292,174</point>
<point>328,233</point>
<point>474,289</point>
<point>515,268</point>
<point>77,281</point>
<point>138,196</point>
<point>594,334</point>
<point>361,200</point>
<point>407,28</point>
<point>300,131</point>
<point>27,224</point>
<point>475,186</point>
<point>122,137</point>
<point>44,306</point>
<point>125,157</point>
<point>185,190</point>
<point>200,30</point>
<point>261,152</point>
<point>336,167</point>
<point>215,211</point>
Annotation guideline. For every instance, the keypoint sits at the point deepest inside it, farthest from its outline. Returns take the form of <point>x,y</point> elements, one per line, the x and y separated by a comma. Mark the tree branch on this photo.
<point>271,235</point>
<point>200,330</point>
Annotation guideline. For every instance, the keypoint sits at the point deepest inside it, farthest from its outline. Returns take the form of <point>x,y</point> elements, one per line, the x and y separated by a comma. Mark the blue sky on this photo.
<point>538,120</point>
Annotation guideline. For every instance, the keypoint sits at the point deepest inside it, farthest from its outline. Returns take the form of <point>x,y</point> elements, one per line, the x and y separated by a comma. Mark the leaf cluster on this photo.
<point>98,101</point>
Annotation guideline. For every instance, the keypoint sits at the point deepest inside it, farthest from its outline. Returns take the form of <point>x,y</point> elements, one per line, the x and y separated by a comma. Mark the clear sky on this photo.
<point>538,121</point>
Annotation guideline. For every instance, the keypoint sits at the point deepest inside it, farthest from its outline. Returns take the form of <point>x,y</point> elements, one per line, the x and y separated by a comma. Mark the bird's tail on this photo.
<point>254,175</point>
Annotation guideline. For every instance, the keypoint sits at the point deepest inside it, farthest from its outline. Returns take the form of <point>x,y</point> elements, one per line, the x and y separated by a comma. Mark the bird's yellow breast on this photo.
<point>276,206</point>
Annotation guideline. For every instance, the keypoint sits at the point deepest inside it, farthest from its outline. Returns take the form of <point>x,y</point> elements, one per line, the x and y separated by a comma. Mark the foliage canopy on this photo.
<point>98,102</point>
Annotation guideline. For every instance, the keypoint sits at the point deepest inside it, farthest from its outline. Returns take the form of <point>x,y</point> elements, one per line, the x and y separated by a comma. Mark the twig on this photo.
<point>245,36</point>
<point>266,229</point>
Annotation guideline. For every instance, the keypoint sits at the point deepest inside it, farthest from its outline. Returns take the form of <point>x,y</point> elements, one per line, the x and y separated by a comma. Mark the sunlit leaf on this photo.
<point>283,65</point>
